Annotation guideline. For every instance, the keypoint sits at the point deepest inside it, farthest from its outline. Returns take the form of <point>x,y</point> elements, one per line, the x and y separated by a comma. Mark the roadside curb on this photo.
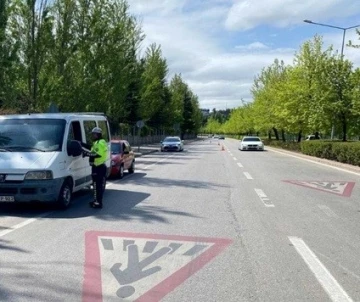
<point>314,159</point>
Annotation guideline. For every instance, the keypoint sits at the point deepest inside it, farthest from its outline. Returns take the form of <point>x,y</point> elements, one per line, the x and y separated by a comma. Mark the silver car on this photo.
<point>172,143</point>
<point>251,143</point>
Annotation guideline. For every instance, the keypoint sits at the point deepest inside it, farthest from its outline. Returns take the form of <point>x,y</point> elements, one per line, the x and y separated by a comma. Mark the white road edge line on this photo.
<point>265,200</point>
<point>327,211</point>
<point>247,175</point>
<point>327,281</point>
<point>315,162</point>
<point>240,165</point>
<point>22,224</point>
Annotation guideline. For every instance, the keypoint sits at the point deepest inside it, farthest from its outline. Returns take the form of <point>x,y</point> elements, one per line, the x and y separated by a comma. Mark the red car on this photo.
<point>122,158</point>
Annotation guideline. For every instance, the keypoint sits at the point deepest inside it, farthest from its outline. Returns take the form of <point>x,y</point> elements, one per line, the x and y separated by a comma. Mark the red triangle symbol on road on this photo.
<point>142,267</point>
<point>341,188</point>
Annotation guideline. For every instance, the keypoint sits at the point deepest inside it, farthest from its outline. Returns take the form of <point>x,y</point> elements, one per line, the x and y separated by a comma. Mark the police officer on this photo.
<point>97,158</point>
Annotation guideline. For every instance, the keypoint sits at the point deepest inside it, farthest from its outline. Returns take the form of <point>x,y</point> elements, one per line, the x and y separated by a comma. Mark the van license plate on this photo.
<point>7,198</point>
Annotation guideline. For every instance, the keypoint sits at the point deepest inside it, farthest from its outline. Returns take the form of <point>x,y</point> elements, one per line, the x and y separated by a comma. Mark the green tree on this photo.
<point>154,96</point>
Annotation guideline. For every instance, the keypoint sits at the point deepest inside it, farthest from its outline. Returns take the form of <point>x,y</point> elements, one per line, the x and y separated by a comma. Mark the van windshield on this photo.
<point>31,135</point>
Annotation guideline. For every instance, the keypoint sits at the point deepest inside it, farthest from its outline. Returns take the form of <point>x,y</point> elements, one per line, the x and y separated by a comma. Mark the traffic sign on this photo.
<point>140,124</point>
<point>342,188</point>
<point>142,267</point>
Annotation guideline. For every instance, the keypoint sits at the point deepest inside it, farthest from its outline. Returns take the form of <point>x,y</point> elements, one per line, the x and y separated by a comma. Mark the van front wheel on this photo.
<point>65,195</point>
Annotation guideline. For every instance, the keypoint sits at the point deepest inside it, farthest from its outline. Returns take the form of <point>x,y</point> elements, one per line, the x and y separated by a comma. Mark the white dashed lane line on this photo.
<point>266,201</point>
<point>240,165</point>
<point>329,212</point>
<point>247,175</point>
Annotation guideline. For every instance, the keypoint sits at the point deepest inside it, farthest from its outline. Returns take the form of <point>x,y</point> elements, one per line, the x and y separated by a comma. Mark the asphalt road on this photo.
<point>202,225</point>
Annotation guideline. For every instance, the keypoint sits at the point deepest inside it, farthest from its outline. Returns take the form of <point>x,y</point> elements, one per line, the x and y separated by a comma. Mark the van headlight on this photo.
<point>35,175</point>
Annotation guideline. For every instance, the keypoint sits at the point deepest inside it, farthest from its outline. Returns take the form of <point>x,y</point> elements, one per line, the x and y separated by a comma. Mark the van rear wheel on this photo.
<point>65,195</point>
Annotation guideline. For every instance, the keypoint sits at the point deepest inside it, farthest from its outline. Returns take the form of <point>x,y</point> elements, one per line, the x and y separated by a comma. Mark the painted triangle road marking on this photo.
<point>341,188</point>
<point>142,267</point>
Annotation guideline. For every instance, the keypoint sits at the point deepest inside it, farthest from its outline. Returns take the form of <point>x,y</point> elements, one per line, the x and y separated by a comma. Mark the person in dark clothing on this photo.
<point>97,157</point>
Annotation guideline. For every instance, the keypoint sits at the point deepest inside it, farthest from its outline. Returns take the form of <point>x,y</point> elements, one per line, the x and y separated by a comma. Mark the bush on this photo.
<point>322,149</point>
<point>344,152</point>
<point>293,146</point>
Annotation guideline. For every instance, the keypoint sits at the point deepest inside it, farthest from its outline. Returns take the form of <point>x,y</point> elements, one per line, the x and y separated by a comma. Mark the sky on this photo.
<point>219,46</point>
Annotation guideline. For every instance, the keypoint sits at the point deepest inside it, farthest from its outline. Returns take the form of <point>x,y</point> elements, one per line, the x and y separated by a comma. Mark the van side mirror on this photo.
<point>74,148</point>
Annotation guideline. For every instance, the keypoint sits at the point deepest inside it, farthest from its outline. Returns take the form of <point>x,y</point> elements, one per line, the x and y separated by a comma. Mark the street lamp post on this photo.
<point>344,29</point>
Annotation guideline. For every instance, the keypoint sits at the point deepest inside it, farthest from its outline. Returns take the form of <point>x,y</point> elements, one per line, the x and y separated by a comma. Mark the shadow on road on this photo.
<point>140,180</point>
<point>121,205</point>
<point>39,281</point>
<point>7,245</point>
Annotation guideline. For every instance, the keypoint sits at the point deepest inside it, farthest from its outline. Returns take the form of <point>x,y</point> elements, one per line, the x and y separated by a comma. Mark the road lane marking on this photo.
<point>327,281</point>
<point>22,224</point>
<point>315,162</point>
<point>235,158</point>
<point>327,211</point>
<point>265,200</point>
<point>247,175</point>
<point>240,165</point>
<point>142,267</point>
<point>340,188</point>
<point>339,265</point>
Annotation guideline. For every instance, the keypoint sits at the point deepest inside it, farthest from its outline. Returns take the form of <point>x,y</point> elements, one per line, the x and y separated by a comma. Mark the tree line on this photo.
<point>317,93</point>
<point>85,55</point>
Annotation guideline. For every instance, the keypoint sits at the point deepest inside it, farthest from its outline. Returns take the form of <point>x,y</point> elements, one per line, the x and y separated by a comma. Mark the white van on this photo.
<point>41,157</point>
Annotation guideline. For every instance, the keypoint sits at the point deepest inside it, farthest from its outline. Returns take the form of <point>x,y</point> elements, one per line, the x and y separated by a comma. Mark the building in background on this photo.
<point>205,112</point>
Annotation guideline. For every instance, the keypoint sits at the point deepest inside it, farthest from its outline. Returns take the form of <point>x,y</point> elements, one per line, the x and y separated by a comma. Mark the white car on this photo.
<point>251,143</point>
<point>41,155</point>
<point>172,143</point>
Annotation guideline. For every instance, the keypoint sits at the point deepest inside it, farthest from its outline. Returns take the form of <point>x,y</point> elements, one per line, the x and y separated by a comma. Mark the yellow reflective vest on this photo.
<point>100,147</point>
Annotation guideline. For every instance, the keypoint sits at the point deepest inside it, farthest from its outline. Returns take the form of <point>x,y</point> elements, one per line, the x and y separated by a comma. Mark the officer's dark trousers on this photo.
<point>99,179</point>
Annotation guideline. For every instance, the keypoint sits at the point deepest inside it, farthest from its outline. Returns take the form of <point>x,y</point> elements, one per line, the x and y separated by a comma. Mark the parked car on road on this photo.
<point>172,143</point>
<point>122,158</point>
<point>251,143</point>
<point>41,156</point>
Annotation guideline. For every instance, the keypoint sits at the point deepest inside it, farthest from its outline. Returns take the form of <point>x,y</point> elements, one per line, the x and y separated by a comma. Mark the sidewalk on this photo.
<point>152,148</point>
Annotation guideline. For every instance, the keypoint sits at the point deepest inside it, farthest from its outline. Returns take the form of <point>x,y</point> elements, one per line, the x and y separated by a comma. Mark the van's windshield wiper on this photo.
<point>4,150</point>
<point>24,148</point>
